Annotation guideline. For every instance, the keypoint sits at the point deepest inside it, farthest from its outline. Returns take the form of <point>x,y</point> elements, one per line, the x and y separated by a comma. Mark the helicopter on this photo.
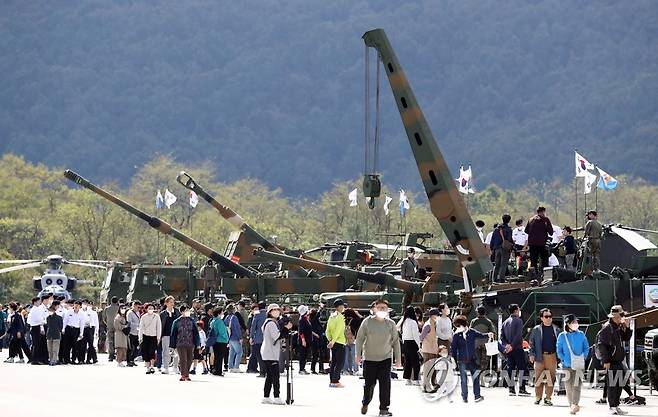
<point>54,280</point>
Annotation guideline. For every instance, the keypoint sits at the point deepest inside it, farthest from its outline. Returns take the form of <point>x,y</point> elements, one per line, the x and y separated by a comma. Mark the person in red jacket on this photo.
<point>539,229</point>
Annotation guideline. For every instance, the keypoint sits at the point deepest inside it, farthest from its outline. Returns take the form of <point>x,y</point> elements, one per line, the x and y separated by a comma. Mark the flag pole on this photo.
<point>575,194</point>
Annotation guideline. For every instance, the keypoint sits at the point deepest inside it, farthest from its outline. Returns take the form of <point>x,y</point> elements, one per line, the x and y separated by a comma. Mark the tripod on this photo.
<point>289,388</point>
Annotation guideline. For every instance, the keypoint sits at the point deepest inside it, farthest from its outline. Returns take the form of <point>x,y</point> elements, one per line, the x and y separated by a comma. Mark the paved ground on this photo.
<point>112,391</point>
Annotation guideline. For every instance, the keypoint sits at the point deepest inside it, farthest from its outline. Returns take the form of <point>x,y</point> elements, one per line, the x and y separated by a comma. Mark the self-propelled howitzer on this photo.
<point>254,238</point>
<point>414,291</point>
<point>164,228</point>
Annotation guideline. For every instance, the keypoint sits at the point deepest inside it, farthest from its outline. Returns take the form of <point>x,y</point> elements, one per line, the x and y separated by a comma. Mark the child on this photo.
<point>199,352</point>
<point>54,325</point>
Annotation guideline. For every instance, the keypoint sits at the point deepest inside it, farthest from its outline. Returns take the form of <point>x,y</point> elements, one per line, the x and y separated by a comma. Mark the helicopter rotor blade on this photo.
<point>85,264</point>
<point>20,261</point>
<point>19,267</point>
<point>89,261</point>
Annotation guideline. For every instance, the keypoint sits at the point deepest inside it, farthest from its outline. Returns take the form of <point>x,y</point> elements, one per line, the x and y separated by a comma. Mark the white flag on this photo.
<point>582,165</point>
<point>404,203</point>
<point>353,196</point>
<point>194,199</point>
<point>590,180</point>
<point>159,201</point>
<point>169,198</point>
<point>387,201</point>
<point>464,180</point>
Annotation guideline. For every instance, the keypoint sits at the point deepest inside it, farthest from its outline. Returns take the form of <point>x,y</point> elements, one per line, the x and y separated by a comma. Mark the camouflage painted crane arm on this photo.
<point>164,227</point>
<point>380,278</point>
<point>445,202</point>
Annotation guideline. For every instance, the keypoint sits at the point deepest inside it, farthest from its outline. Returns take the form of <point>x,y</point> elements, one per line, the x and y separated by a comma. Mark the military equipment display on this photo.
<point>54,280</point>
<point>164,227</point>
<point>236,251</point>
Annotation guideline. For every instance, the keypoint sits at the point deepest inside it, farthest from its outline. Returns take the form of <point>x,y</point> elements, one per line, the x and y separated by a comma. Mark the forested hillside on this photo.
<point>274,89</point>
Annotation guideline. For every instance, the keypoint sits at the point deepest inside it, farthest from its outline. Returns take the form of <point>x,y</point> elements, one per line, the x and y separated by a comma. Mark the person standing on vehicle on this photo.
<point>543,356</point>
<point>501,245</point>
<point>593,234</point>
<point>337,340</point>
<point>539,229</point>
<point>610,352</point>
<point>569,248</point>
<point>409,267</point>
<point>376,343</point>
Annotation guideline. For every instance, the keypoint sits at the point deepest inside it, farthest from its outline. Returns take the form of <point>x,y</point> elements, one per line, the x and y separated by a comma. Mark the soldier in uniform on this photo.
<point>409,266</point>
<point>593,231</point>
<point>210,277</point>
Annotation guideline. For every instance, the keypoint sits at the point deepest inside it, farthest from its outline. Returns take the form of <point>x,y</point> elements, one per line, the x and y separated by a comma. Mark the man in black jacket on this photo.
<point>610,351</point>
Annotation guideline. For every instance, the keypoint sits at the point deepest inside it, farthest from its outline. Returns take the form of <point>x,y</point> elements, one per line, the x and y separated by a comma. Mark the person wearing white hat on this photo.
<point>270,351</point>
<point>305,337</point>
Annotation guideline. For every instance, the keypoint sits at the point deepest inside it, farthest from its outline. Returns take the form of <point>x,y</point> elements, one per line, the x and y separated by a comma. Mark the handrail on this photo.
<point>533,298</point>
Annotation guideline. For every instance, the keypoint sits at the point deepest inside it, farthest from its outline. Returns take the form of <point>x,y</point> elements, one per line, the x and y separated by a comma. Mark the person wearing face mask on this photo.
<point>74,324</point>
<point>511,338</point>
<point>36,320</point>
<point>337,340</point>
<point>270,352</point>
<point>133,317</point>
<point>409,267</point>
<point>377,342</point>
<point>610,352</point>
<point>90,332</point>
<point>429,346</point>
<point>120,343</point>
<point>167,318</point>
<point>185,339</point>
<point>572,343</point>
<point>150,332</point>
<point>218,340</point>
<point>54,325</point>
<point>463,351</point>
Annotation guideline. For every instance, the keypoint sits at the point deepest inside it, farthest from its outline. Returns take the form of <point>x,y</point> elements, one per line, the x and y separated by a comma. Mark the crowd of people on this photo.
<point>222,338</point>
<point>538,244</point>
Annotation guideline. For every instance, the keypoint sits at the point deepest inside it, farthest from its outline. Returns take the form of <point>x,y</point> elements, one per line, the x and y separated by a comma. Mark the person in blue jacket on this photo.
<point>572,343</point>
<point>462,349</point>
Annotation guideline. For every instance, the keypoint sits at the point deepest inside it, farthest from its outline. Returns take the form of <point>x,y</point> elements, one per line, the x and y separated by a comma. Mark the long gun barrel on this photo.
<point>381,278</point>
<point>445,202</point>
<point>164,227</point>
<point>231,216</point>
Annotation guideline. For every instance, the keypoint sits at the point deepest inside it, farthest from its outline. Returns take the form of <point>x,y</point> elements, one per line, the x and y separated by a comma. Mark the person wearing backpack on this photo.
<point>502,245</point>
<point>610,352</point>
<point>270,351</point>
<point>572,350</point>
